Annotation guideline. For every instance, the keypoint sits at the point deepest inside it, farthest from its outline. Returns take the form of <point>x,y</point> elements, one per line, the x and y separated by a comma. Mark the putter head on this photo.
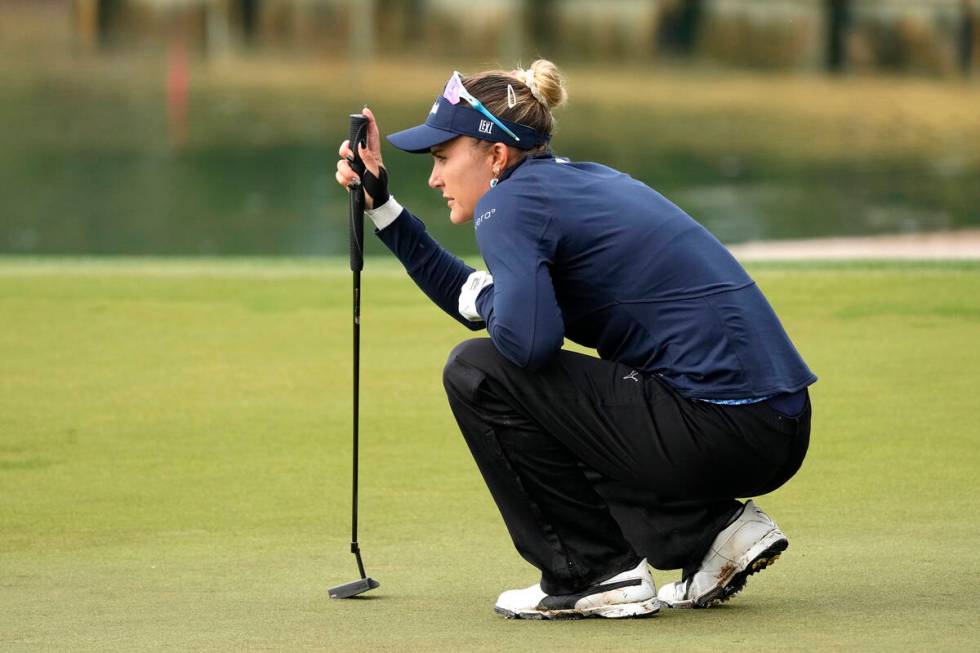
<point>353,588</point>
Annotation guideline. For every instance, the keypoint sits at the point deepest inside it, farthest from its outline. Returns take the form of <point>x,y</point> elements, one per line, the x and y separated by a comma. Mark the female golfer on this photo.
<point>598,465</point>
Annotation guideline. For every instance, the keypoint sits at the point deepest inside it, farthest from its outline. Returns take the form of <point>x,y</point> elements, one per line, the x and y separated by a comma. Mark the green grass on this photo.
<point>174,468</point>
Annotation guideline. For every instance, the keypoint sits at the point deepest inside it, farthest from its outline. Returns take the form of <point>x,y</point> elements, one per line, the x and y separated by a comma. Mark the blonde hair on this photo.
<point>536,92</point>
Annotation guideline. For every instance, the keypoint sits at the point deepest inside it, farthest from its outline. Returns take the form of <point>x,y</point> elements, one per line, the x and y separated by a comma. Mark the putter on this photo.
<point>358,134</point>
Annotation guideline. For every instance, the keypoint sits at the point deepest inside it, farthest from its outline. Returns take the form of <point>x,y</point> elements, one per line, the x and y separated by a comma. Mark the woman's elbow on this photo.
<point>539,359</point>
<point>535,355</point>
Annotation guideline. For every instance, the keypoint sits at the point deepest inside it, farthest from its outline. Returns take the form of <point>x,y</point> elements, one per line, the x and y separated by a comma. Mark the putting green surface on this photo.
<point>175,468</point>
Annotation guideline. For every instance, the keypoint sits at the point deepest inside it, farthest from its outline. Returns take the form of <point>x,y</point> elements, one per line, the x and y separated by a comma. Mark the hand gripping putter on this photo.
<point>358,134</point>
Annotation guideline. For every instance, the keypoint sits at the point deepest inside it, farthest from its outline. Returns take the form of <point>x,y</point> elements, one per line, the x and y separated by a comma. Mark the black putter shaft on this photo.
<point>358,134</point>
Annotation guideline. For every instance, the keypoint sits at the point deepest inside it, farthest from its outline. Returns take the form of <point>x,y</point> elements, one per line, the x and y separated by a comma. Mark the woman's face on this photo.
<point>462,171</point>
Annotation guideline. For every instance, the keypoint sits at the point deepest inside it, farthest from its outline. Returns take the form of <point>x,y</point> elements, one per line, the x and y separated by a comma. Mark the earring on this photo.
<point>493,182</point>
<point>496,171</point>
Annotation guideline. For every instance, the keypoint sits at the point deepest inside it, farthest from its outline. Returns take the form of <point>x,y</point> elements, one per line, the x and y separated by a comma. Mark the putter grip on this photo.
<point>358,134</point>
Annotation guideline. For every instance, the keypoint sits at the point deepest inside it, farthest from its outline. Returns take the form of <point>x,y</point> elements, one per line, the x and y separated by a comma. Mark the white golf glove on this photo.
<point>476,282</point>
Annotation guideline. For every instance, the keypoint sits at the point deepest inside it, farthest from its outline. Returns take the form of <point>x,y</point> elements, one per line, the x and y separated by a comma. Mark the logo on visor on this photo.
<point>486,127</point>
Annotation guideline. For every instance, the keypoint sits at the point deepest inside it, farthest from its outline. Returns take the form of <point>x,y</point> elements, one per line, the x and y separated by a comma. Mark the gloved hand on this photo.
<point>380,206</point>
<point>475,283</point>
<point>376,187</point>
<point>375,177</point>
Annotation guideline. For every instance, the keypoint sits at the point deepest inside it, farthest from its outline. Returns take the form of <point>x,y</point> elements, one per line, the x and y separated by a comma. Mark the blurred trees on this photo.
<point>97,21</point>
<point>969,26</point>
<point>680,23</point>
<point>838,22</point>
<point>933,36</point>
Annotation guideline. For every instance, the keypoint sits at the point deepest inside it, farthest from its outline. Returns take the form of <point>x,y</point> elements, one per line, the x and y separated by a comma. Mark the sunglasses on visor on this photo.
<point>455,91</point>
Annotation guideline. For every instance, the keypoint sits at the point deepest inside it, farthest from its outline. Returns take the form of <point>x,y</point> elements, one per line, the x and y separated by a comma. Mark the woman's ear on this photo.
<point>501,156</point>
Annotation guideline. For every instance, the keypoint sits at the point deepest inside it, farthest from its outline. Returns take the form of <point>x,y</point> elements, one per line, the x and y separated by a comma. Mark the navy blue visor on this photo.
<point>446,121</point>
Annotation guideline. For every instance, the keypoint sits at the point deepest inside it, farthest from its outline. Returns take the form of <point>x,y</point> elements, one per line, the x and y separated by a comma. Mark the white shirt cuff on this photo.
<point>385,214</point>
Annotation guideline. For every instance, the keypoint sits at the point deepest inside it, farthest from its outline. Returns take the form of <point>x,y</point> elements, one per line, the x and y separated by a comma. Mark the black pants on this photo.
<point>595,466</point>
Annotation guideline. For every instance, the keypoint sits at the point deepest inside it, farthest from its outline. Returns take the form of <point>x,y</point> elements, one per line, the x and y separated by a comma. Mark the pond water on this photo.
<point>90,166</point>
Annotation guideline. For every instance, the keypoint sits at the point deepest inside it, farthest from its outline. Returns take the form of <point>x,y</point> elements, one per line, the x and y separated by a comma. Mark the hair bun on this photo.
<point>546,83</point>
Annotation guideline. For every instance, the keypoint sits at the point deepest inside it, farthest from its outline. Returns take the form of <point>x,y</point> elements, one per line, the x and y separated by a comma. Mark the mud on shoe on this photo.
<point>629,594</point>
<point>749,544</point>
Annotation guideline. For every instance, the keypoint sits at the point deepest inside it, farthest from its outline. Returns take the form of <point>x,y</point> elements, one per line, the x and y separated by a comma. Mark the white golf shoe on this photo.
<point>749,544</point>
<point>629,594</point>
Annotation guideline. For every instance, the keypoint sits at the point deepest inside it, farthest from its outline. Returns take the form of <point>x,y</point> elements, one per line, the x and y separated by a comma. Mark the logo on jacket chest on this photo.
<point>483,217</point>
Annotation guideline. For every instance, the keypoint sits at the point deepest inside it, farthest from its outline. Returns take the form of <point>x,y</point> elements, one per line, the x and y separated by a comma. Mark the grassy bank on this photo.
<point>174,468</point>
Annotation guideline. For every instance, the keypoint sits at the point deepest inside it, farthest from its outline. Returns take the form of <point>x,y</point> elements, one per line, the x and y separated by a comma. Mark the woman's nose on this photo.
<point>434,181</point>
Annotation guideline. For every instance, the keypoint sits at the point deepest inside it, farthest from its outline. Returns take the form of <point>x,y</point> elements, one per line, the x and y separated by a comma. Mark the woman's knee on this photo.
<point>464,370</point>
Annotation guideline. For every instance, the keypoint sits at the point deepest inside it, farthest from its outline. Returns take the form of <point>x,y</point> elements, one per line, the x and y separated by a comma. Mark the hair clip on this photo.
<point>511,97</point>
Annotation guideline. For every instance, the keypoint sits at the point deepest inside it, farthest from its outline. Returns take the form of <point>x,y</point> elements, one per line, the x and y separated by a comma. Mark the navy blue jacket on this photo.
<point>584,252</point>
